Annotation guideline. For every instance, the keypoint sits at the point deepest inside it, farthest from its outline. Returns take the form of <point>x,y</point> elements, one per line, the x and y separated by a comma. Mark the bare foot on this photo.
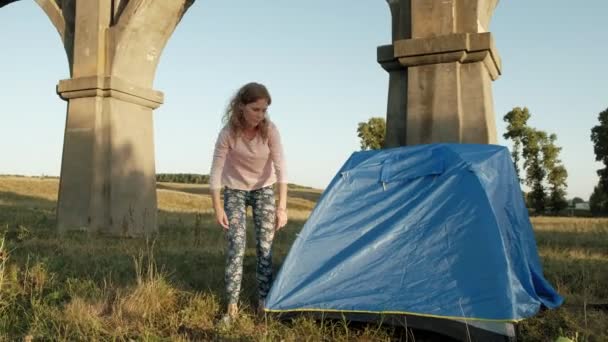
<point>232,310</point>
<point>231,314</point>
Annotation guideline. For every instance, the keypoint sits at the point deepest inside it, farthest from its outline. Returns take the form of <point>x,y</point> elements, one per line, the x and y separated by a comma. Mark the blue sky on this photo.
<point>318,59</point>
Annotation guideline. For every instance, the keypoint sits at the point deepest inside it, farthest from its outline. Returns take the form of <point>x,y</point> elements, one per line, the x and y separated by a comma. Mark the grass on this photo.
<point>574,253</point>
<point>84,287</point>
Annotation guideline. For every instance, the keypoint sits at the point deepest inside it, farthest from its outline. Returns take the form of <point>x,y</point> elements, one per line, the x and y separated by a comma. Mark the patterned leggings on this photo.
<point>235,206</point>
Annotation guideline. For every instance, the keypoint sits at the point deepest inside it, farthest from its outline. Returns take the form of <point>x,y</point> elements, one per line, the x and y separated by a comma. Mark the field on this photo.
<point>84,287</point>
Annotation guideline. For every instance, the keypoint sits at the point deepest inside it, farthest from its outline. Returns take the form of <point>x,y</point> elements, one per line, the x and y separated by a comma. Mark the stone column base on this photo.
<point>108,177</point>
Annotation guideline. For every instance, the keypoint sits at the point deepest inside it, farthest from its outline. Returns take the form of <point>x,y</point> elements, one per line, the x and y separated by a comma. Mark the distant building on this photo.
<point>582,206</point>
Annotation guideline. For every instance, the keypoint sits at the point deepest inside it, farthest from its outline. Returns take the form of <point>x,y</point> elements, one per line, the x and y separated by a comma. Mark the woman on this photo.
<point>248,160</point>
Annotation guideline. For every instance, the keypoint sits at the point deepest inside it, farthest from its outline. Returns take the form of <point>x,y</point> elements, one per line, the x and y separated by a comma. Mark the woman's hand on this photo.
<point>221,218</point>
<point>220,214</point>
<point>281,220</point>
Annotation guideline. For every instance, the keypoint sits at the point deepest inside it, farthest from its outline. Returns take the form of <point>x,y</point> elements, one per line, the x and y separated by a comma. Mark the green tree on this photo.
<point>372,133</point>
<point>535,172</point>
<point>540,156</point>
<point>557,196</point>
<point>517,120</point>
<point>598,201</point>
<point>556,174</point>
<point>599,137</point>
<point>183,178</point>
<point>577,200</point>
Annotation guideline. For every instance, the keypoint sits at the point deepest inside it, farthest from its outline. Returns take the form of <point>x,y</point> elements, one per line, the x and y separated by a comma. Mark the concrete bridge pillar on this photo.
<point>442,63</point>
<point>108,177</point>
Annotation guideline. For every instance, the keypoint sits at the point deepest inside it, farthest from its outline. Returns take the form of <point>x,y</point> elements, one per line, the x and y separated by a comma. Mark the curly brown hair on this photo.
<point>249,93</point>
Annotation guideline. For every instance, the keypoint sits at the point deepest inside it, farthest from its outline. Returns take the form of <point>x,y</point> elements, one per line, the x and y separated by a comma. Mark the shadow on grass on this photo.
<point>309,195</point>
<point>188,250</point>
<point>312,196</point>
<point>187,188</point>
<point>21,216</point>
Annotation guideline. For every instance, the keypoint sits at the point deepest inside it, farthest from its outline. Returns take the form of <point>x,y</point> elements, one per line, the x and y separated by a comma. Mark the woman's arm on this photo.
<point>220,215</point>
<point>281,220</point>
<point>278,159</point>
<point>282,202</point>
<point>215,177</point>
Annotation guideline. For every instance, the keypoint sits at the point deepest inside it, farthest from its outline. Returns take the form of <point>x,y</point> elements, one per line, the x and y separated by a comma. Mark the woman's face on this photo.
<point>255,112</point>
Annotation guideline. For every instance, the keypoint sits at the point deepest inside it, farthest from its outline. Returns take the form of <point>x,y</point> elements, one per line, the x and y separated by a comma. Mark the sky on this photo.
<point>318,60</point>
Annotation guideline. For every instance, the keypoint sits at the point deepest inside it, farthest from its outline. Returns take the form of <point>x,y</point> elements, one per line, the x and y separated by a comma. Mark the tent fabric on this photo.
<point>436,230</point>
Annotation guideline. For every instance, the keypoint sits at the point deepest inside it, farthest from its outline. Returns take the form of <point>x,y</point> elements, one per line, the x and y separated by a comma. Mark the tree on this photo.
<point>517,120</point>
<point>541,162</point>
<point>533,164</point>
<point>182,178</point>
<point>577,200</point>
<point>372,133</point>
<point>557,195</point>
<point>598,201</point>
<point>556,174</point>
<point>599,137</point>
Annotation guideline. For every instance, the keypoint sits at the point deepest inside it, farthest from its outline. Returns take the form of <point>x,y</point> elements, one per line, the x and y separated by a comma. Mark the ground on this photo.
<point>89,287</point>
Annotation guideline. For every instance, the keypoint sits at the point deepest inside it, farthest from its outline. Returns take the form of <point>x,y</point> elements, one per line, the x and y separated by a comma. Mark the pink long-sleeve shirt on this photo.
<point>243,164</point>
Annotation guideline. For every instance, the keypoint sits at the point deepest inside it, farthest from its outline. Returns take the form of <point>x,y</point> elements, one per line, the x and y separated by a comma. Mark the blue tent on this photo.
<point>438,231</point>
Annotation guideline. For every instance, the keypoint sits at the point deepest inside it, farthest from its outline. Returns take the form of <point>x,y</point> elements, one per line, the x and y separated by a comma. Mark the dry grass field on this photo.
<point>83,287</point>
